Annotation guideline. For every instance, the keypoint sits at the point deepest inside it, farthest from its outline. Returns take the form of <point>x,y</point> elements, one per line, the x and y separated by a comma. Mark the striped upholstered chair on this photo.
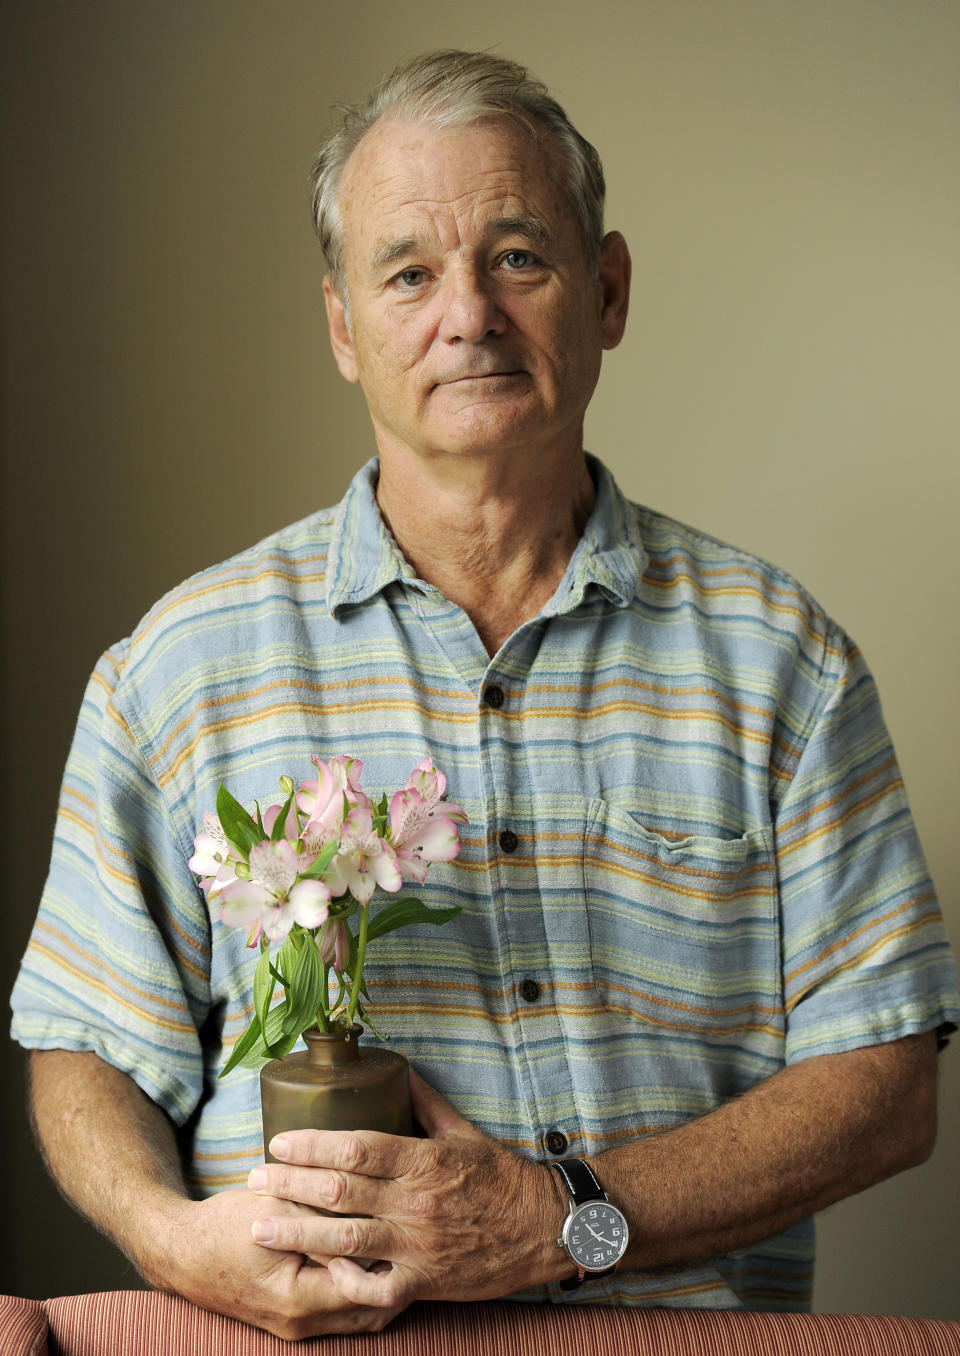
<point>145,1323</point>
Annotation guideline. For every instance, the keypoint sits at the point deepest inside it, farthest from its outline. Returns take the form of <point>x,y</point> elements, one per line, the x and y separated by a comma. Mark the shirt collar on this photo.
<point>364,558</point>
<point>610,556</point>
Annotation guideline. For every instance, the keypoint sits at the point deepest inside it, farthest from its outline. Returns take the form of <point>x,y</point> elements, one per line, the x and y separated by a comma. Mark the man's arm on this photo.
<point>114,1155</point>
<point>459,1217</point>
<point>818,1131</point>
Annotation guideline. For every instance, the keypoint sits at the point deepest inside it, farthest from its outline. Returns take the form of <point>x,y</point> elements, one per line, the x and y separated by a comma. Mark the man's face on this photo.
<point>475,325</point>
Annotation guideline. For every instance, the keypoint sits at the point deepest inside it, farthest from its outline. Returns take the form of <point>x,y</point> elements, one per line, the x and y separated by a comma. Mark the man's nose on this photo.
<point>471,312</point>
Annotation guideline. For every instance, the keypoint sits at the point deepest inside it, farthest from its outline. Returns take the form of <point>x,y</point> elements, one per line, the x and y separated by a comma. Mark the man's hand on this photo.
<point>114,1155</point>
<point>220,1267</point>
<point>451,1217</point>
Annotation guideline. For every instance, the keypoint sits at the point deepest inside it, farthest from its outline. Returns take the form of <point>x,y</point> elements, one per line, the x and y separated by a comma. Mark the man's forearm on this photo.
<point>110,1149</point>
<point>812,1134</point>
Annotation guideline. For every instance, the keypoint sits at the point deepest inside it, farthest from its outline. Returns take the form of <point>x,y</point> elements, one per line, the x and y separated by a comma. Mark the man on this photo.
<point>699,951</point>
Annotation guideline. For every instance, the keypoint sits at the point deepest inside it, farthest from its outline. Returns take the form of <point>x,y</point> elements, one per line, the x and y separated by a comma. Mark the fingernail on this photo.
<point>257,1179</point>
<point>279,1147</point>
<point>263,1230</point>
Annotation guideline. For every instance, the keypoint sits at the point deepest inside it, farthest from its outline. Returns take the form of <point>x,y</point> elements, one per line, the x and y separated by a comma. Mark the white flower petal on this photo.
<point>309,903</point>
<point>274,866</point>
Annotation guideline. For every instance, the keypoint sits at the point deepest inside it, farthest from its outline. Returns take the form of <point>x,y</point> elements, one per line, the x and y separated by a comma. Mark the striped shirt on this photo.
<point>689,860</point>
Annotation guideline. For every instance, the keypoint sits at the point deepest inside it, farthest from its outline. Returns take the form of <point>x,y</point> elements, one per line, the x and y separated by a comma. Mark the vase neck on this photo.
<point>333,1047</point>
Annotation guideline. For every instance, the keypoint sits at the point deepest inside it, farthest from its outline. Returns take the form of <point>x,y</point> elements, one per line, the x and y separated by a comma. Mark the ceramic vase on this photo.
<point>335,1084</point>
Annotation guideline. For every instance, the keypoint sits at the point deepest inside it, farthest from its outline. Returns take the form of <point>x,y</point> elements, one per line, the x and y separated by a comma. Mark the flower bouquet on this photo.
<point>302,875</point>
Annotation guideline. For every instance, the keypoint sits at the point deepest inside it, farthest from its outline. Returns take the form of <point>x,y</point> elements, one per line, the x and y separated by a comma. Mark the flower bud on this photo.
<point>286,785</point>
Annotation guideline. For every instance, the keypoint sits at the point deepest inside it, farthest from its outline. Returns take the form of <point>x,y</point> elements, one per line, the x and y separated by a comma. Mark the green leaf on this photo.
<point>402,912</point>
<point>277,1046</point>
<point>287,955</point>
<point>304,990</point>
<point>322,862</point>
<point>264,984</point>
<point>366,1020</point>
<point>242,1047</point>
<point>238,824</point>
<point>280,823</point>
<point>380,815</point>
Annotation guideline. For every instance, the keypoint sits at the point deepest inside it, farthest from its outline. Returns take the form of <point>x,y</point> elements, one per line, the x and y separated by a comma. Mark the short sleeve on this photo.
<point>118,961</point>
<point>865,953</point>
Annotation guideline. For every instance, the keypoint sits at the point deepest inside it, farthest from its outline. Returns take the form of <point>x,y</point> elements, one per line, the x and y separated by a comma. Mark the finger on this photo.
<point>324,1189</point>
<point>336,1311</point>
<point>434,1113</point>
<point>369,1153</point>
<point>323,1236</point>
<point>382,1286</point>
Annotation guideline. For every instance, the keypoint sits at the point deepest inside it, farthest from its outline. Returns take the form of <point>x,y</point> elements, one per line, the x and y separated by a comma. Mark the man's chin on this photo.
<point>505,398</point>
<point>488,426</point>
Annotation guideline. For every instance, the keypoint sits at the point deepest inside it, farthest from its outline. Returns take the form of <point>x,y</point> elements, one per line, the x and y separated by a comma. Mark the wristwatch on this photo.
<point>595,1233</point>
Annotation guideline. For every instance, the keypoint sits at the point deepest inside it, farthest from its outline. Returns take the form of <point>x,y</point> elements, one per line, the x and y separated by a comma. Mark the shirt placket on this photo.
<point>512,853</point>
<point>532,1027</point>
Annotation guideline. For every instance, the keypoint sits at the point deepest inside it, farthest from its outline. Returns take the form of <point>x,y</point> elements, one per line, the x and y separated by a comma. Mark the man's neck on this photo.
<point>494,535</point>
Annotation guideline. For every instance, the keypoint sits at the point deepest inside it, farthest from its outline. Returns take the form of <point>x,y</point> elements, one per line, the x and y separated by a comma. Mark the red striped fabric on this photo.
<point>141,1323</point>
<point>23,1327</point>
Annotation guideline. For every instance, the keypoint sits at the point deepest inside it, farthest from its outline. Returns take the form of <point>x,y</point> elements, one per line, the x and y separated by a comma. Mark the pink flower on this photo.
<point>333,939</point>
<point>325,801</point>
<point>423,826</point>
<point>430,782</point>
<point>273,899</point>
<point>365,860</point>
<point>213,860</point>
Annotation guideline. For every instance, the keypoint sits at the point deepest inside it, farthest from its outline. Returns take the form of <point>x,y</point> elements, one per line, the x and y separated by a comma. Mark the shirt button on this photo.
<point>529,990</point>
<point>508,841</point>
<point>556,1142</point>
<point>494,696</point>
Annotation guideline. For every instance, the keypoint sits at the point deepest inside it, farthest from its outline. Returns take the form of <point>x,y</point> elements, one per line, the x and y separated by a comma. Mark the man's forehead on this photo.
<point>406,179</point>
<point>394,134</point>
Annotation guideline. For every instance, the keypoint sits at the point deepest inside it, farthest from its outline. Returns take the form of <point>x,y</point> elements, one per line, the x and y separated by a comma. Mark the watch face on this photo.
<point>596,1236</point>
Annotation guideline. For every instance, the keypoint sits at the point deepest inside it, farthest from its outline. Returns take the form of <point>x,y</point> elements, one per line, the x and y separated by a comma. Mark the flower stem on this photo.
<point>324,1009</point>
<point>361,952</point>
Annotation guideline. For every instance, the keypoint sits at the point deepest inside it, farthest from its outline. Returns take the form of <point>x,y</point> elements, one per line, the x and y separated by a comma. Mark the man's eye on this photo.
<point>517,259</point>
<point>411,277</point>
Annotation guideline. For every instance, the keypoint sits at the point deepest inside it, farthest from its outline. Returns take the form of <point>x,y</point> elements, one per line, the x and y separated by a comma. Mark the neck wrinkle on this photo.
<point>498,555</point>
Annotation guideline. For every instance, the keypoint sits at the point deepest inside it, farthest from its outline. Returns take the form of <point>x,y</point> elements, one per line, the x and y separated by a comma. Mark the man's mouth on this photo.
<point>464,377</point>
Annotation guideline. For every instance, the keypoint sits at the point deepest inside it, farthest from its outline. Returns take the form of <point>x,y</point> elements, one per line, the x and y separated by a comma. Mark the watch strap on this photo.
<point>580,1181</point>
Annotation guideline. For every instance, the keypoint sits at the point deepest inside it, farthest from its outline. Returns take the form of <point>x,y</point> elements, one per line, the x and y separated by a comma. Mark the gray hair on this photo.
<point>450,89</point>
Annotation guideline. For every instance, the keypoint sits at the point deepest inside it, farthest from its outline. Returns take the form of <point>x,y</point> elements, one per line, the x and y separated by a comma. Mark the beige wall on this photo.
<point>786,173</point>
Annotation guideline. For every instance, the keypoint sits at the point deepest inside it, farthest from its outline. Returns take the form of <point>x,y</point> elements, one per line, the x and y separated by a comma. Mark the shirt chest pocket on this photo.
<point>684,935</point>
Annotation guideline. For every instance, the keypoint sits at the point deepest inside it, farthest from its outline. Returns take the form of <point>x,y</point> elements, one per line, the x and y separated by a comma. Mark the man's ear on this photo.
<point>340,340</point>
<point>614,282</point>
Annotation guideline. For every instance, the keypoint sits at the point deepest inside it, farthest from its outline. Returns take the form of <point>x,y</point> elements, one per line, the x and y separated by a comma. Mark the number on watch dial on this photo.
<point>595,1236</point>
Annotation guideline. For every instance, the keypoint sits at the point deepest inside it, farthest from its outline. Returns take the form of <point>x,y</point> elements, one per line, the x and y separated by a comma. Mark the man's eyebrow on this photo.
<point>392,250</point>
<point>532,227</point>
